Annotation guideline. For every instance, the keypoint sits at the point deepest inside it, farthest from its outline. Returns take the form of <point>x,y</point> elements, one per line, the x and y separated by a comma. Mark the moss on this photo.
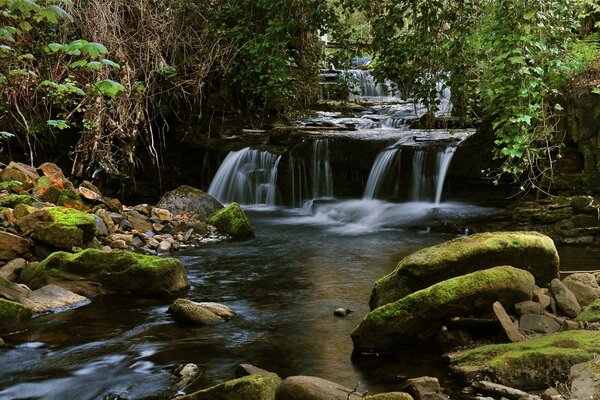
<point>12,200</point>
<point>591,313</point>
<point>69,198</point>
<point>259,386</point>
<point>537,362</point>
<point>68,216</point>
<point>13,316</point>
<point>115,270</point>
<point>419,315</point>
<point>531,251</point>
<point>233,221</point>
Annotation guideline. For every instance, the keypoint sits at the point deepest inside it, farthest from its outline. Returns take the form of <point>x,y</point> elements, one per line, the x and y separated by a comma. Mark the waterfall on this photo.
<point>322,176</point>
<point>247,176</point>
<point>379,172</point>
<point>444,158</point>
<point>363,84</point>
<point>418,175</point>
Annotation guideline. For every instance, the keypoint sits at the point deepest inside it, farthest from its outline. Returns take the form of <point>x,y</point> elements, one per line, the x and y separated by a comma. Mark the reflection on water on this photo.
<point>284,284</point>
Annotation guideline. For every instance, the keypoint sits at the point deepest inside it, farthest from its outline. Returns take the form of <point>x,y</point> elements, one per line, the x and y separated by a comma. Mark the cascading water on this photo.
<point>247,176</point>
<point>379,173</point>
<point>418,176</point>
<point>444,160</point>
<point>322,175</point>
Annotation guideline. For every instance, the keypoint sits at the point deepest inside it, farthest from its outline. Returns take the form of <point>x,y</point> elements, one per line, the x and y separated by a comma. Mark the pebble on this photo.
<point>342,312</point>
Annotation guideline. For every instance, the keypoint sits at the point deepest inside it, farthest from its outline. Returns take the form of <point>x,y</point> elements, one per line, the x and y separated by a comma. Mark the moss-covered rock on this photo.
<point>233,221</point>
<point>70,198</point>
<point>390,396</point>
<point>534,364</point>
<point>20,172</point>
<point>191,201</point>
<point>259,386</point>
<point>419,316</point>
<point>531,251</point>
<point>591,313</point>
<point>116,271</point>
<point>13,316</point>
<point>12,200</point>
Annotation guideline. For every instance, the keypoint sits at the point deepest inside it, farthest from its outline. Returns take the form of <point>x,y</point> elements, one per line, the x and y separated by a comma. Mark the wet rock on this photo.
<point>11,270</point>
<point>162,214</point>
<point>313,388</point>
<point>419,316</point>
<point>390,396</point>
<point>501,390</point>
<point>88,194</point>
<point>539,323</point>
<point>138,221</point>
<point>118,244</point>
<point>143,209</point>
<point>187,375</point>
<point>12,246</point>
<point>261,386</point>
<point>190,201</point>
<point>23,173</point>
<point>232,221</point>
<point>424,388</point>
<point>126,225</point>
<point>116,271</point>
<point>184,310</point>
<point>511,330</point>
<point>584,382</point>
<point>584,287</point>
<point>13,316</point>
<point>591,313</point>
<point>10,290</point>
<point>535,364</point>
<point>341,312</point>
<point>247,369</point>
<point>531,251</point>
<point>51,298</point>
<point>165,246</point>
<point>565,299</point>
<point>528,307</point>
<point>100,226</point>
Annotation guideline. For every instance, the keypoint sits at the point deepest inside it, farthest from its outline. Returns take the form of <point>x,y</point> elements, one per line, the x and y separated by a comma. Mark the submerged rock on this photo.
<point>185,310</point>
<point>314,388</point>
<point>232,221</point>
<point>116,271</point>
<point>260,386</point>
<point>13,316</point>
<point>531,365</point>
<point>191,201</point>
<point>51,298</point>
<point>420,315</point>
<point>531,251</point>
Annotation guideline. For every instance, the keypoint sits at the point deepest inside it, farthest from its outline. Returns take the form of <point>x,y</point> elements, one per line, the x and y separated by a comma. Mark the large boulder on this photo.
<point>191,201</point>
<point>419,316</point>
<point>116,271</point>
<point>535,364</point>
<point>591,313</point>
<point>51,298</point>
<point>232,221</point>
<point>185,310</point>
<point>11,246</point>
<point>260,386</point>
<point>584,287</point>
<point>60,227</point>
<point>531,251</point>
<point>20,172</point>
<point>13,316</point>
<point>314,388</point>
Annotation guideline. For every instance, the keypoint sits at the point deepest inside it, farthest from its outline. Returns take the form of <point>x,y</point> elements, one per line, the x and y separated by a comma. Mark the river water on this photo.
<point>284,284</point>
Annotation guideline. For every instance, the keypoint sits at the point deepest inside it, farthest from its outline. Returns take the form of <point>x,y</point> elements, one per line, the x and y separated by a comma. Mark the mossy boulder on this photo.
<point>531,251</point>
<point>534,364</point>
<point>61,227</point>
<point>191,201</point>
<point>116,271</point>
<point>259,386</point>
<point>591,313</point>
<point>418,317</point>
<point>12,200</point>
<point>13,316</point>
<point>20,172</point>
<point>232,221</point>
<point>390,396</point>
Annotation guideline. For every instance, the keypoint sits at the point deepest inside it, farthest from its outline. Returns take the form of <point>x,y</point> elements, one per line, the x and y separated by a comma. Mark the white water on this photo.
<point>418,176</point>
<point>379,173</point>
<point>444,160</point>
<point>247,176</point>
<point>322,175</point>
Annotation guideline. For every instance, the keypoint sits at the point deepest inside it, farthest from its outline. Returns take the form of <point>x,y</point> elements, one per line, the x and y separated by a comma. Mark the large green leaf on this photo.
<point>109,87</point>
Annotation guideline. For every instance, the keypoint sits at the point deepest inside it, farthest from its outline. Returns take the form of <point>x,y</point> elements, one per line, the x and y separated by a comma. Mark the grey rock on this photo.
<point>528,307</point>
<point>189,200</point>
<point>565,299</point>
<point>51,298</point>
<point>313,388</point>
<point>584,287</point>
<point>539,323</point>
<point>341,312</point>
<point>424,388</point>
<point>11,269</point>
<point>164,246</point>
<point>185,310</point>
<point>247,369</point>
<point>100,226</point>
<point>583,378</point>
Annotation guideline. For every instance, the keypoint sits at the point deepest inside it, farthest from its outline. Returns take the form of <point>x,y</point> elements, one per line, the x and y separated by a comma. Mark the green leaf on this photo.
<point>596,90</point>
<point>94,65</point>
<point>530,14</point>
<point>61,13</point>
<point>93,49</point>
<point>108,87</point>
<point>558,107</point>
<point>110,63</point>
<point>48,14</point>
<point>78,63</point>
<point>58,123</point>
<point>54,47</point>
